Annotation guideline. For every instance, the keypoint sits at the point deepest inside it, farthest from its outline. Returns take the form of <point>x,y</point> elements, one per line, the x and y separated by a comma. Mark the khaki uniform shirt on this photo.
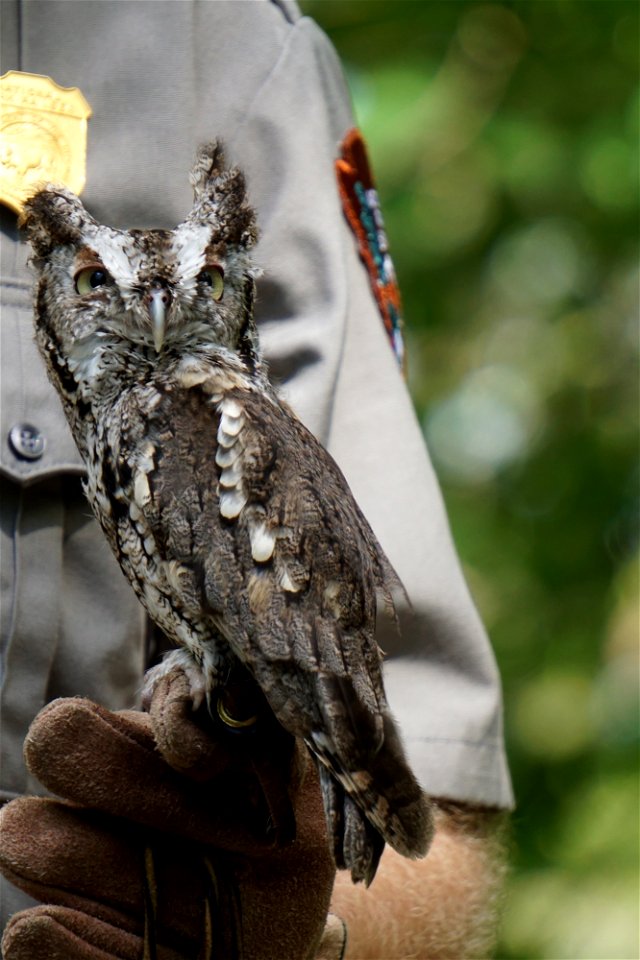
<point>162,77</point>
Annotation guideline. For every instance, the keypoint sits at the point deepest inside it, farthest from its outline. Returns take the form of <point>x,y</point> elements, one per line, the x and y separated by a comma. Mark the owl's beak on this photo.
<point>159,301</point>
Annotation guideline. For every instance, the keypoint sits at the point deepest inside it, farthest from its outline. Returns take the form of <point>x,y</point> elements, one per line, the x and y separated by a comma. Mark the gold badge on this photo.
<point>43,136</point>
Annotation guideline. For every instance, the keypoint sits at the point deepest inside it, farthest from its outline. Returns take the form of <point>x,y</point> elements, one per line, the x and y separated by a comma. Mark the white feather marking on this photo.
<point>193,373</point>
<point>231,408</point>
<point>174,572</point>
<point>141,490</point>
<point>231,476</point>
<point>227,439</point>
<point>263,542</point>
<point>191,378</point>
<point>287,583</point>
<point>225,456</point>
<point>146,461</point>
<point>330,596</point>
<point>118,253</point>
<point>232,502</point>
<point>134,511</point>
<point>231,425</point>
<point>149,545</point>
<point>189,244</point>
<point>322,741</point>
<point>85,359</point>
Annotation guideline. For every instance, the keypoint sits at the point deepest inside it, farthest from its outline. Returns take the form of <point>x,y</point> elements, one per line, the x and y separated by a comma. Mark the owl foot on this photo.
<point>201,680</point>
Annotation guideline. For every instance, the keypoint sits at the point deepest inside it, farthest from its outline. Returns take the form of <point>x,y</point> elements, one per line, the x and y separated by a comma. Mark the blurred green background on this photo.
<point>503,137</point>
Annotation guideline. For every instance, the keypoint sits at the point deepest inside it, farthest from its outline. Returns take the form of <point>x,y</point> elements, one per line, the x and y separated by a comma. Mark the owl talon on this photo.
<point>200,684</point>
<point>235,723</point>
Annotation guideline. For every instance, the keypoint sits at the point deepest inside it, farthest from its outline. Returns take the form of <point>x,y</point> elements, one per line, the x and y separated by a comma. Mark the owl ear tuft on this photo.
<point>220,195</point>
<point>208,166</point>
<point>53,217</point>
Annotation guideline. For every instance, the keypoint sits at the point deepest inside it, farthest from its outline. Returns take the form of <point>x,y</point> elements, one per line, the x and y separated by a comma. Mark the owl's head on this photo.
<point>155,291</point>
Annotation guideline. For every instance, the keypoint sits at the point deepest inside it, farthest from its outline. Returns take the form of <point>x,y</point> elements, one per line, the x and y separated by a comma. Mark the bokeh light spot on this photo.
<point>485,425</point>
<point>552,715</point>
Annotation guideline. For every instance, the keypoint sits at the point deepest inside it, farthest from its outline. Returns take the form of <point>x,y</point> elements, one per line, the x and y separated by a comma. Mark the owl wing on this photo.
<point>241,494</point>
<point>273,549</point>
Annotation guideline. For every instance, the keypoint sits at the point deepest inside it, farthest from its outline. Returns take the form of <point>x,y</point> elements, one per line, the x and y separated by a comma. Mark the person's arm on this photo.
<point>445,907</point>
<point>328,351</point>
<point>325,340</point>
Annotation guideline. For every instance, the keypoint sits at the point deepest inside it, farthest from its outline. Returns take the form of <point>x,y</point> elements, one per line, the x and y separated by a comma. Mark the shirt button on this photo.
<point>26,441</point>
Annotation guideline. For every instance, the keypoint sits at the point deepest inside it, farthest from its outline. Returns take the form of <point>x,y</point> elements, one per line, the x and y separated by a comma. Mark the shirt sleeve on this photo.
<point>328,348</point>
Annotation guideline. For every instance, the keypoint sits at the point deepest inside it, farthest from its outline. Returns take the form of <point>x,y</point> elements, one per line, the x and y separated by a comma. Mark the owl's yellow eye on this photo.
<point>87,279</point>
<point>213,277</point>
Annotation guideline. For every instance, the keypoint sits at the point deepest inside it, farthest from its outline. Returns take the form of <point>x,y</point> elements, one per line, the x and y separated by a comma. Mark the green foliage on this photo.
<point>504,139</point>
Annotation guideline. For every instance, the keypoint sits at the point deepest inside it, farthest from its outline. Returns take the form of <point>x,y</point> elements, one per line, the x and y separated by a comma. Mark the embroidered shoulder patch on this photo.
<point>362,210</point>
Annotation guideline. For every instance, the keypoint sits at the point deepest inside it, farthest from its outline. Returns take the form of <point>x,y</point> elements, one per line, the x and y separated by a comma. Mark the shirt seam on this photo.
<point>267,79</point>
<point>488,742</point>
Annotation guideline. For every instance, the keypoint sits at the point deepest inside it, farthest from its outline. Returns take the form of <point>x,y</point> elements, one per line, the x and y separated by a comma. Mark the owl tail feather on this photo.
<point>373,801</point>
<point>357,845</point>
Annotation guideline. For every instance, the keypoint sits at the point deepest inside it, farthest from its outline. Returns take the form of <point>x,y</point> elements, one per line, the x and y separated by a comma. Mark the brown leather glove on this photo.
<point>175,840</point>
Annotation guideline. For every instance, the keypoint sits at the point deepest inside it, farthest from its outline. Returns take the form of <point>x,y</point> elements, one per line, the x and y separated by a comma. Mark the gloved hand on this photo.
<point>174,840</point>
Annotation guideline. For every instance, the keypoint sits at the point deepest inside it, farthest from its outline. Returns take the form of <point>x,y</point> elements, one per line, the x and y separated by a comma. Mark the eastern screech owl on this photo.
<point>235,527</point>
